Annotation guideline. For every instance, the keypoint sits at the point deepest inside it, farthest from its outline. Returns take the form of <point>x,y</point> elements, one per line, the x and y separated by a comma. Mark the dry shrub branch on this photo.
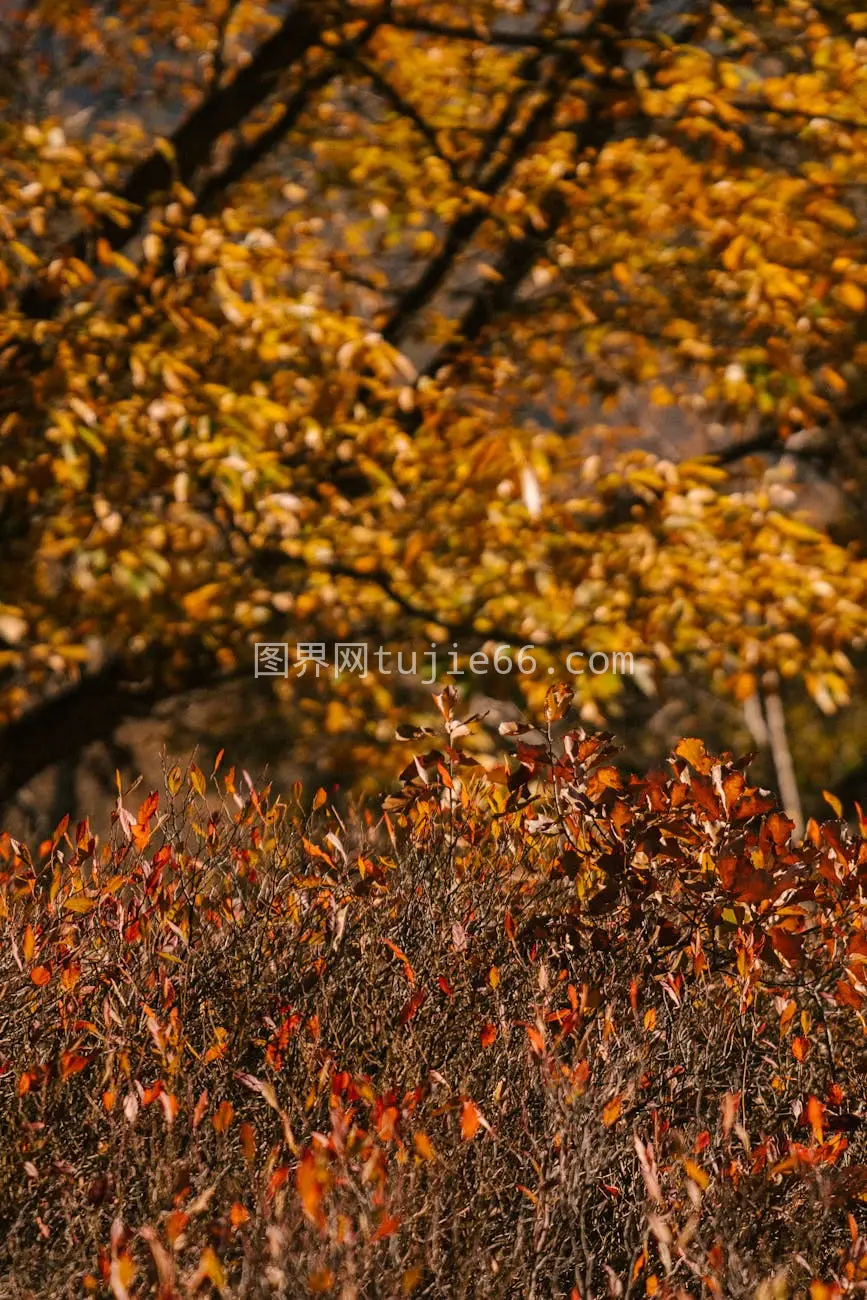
<point>536,1030</point>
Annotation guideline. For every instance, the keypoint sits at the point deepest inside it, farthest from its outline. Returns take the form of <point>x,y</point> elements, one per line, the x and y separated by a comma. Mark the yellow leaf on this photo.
<point>731,258</point>
<point>696,1173</point>
<point>124,264</point>
<point>833,379</point>
<point>852,295</point>
<point>121,1275</point>
<point>834,215</point>
<point>211,1268</point>
<point>661,396</point>
<point>80,904</point>
<point>25,254</point>
<point>197,604</point>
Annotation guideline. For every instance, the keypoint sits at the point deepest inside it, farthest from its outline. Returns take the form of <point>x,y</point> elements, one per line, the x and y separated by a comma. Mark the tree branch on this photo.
<point>781,752</point>
<point>517,40</point>
<point>247,156</point>
<point>769,438</point>
<point>403,108</point>
<point>521,254</point>
<point>463,230</point>
<point>61,727</point>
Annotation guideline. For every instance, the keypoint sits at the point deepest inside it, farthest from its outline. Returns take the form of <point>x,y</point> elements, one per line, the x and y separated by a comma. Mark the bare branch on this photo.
<point>517,40</point>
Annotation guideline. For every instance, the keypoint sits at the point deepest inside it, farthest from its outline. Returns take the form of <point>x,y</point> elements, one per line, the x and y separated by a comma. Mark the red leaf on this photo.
<point>790,946</point>
<point>412,1006</point>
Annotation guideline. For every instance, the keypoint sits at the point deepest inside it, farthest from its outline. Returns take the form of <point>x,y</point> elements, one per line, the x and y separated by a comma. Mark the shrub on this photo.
<point>536,1030</point>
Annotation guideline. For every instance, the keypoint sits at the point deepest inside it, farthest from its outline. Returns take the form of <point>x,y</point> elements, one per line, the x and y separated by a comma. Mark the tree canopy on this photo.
<point>413,323</point>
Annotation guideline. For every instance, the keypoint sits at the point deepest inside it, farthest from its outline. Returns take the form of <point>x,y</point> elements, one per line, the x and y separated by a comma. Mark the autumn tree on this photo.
<point>500,323</point>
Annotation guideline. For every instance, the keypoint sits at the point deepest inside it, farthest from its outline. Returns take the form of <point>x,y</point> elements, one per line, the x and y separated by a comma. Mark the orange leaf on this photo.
<point>488,1035</point>
<point>815,1116</point>
<point>825,1290</point>
<point>611,1111</point>
<point>537,1042</point>
<point>176,1221</point>
<point>277,1180</point>
<point>388,1226</point>
<point>800,1048</point>
<point>312,1180</point>
<point>121,1275</point>
<point>790,946</point>
<point>200,1108</point>
<point>70,1063</point>
<point>247,1139</point>
<point>223,1117</point>
<point>320,1282</point>
<point>696,1173</point>
<point>40,975</point>
<point>471,1120</point>
<point>424,1146</point>
<point>408,970</point>
<point>693,750</point>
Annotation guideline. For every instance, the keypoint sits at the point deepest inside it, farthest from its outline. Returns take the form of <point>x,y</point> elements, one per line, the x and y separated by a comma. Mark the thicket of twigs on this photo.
<point>530,1031</point>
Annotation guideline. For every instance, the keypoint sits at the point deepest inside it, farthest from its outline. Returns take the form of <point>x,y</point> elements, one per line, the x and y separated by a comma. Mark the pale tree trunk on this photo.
<point>768,727</point>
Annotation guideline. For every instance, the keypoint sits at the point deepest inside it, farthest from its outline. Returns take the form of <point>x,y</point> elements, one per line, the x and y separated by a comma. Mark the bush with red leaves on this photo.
<point>531,1030</point>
